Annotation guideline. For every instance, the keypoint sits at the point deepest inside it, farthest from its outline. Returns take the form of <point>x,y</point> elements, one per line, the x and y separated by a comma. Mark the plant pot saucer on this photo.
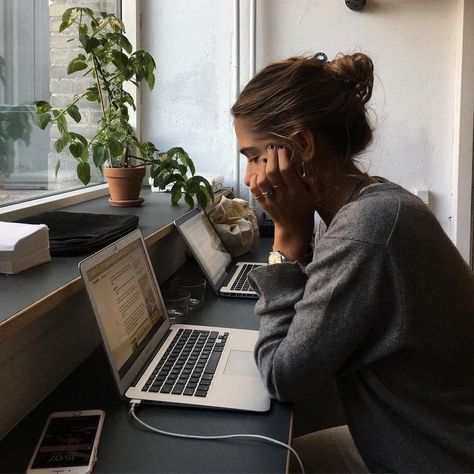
<point>126,202</point>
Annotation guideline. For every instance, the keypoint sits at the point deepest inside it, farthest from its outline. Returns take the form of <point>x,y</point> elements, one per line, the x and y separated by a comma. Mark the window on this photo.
<point>33,61</point>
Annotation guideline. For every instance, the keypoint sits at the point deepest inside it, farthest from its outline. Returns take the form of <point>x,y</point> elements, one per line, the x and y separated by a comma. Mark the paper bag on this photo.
<point>236,223</point>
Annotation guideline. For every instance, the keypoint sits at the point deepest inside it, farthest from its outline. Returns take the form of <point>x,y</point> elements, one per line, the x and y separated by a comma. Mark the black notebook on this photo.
<point>78,233</point>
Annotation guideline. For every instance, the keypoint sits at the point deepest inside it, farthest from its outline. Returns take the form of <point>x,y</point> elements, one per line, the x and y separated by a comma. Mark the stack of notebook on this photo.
<point>22,246</point>
<point>79,233</point>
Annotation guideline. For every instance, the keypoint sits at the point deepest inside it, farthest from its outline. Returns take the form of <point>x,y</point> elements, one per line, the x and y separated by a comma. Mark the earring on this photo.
<point>308,172</point>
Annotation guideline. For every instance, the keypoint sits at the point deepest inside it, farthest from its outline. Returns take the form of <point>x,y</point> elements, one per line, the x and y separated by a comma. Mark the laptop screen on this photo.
<point>126,300</point>
<point>206,245</point>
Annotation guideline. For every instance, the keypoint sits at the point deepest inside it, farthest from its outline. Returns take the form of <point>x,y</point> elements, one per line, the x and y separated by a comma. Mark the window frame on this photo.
<point>131,18</point>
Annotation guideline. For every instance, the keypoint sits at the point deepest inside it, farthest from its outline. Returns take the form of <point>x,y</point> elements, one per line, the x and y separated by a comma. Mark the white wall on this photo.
<point>412,44</point>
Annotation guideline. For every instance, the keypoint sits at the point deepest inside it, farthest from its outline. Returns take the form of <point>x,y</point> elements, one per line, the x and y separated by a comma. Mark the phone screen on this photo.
<point>68,441</point>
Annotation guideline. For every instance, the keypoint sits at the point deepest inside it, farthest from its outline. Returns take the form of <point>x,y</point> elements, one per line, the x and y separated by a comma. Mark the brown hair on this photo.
<point>300,93</point>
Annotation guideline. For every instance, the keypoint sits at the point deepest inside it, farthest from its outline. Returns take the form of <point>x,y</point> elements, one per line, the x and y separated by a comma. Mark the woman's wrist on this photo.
<point>294,246</point>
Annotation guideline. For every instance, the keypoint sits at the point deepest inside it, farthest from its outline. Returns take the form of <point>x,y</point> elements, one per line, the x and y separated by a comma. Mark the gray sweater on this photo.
<point>386,307</point>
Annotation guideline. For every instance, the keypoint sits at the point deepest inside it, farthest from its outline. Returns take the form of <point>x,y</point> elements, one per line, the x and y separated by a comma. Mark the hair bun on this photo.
<point>356,71</point>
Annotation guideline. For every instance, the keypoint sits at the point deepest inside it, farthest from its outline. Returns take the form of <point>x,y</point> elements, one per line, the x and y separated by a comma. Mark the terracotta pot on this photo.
<point>125,185</point>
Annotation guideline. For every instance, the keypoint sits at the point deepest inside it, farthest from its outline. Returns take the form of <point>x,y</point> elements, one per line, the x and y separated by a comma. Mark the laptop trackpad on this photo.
<point>241,363</point>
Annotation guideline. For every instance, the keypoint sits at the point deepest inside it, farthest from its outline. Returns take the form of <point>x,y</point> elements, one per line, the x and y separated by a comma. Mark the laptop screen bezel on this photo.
<point>123,383</point>
<point>178,224</point>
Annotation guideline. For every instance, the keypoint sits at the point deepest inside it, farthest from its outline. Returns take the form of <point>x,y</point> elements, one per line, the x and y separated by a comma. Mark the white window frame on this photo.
<point>131,18</point>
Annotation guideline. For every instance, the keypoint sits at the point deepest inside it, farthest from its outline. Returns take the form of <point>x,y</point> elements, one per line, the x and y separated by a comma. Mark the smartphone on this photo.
<point>68,443</point>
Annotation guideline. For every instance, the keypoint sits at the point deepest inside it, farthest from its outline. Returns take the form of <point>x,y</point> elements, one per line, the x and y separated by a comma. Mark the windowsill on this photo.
<point>28,295</point>
<point>21,210</point>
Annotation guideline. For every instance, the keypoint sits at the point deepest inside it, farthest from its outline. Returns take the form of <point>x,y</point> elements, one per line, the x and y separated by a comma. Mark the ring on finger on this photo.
<point>268,192</point>
<point>258,197</point>
<point>276,186</point>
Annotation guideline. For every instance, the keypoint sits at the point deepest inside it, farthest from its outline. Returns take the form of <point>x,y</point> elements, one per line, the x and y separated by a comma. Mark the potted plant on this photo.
<point>106,56</point>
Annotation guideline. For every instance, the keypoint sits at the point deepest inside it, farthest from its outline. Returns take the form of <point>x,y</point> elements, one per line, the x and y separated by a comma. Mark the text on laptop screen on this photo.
<point>207,245</point>
<point>127,303</point>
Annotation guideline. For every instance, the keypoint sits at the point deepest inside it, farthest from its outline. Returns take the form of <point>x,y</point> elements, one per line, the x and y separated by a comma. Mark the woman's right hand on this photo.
<point>287,199</point>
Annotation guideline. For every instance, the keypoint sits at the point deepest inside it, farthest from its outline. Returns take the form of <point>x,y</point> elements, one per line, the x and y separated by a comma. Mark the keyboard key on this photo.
<point>200,393</point>
<point>166,388</point>
<point>178,389</point>
<point>188,391</point>
<point>212,364</point>
<point>203,387</point>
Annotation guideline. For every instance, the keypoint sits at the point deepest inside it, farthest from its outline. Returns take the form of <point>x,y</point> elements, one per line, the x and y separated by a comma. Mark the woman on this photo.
<point>383,303</point>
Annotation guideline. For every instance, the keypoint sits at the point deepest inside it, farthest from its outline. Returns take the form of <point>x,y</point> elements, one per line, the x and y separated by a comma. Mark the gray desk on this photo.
<point>126,447</point>
<point>27,288</point>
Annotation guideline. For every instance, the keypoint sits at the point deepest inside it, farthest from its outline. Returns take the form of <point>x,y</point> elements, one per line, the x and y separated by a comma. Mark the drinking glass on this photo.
<point>177,303</point>
<point>196,286</point>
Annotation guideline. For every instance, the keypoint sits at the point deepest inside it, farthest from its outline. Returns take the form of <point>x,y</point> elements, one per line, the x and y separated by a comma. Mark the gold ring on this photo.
<point>276,186</point>
<point>268,192</point>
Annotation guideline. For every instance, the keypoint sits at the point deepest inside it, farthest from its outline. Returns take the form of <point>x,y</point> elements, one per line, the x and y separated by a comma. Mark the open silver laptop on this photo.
<point>226,276</point>
<point>155,361</point>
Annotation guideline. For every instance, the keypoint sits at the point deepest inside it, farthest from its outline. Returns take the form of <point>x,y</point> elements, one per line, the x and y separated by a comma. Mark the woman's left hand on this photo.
<point>288,199</point>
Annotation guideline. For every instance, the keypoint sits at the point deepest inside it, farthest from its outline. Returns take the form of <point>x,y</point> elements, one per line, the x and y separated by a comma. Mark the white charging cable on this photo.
<point>231,436</point>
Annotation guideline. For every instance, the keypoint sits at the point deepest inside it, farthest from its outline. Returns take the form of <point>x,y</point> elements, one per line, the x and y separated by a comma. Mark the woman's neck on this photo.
<point>338,192</point>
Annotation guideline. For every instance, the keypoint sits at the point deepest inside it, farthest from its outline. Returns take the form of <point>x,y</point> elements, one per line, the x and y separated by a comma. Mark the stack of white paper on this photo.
<point>22,246</point>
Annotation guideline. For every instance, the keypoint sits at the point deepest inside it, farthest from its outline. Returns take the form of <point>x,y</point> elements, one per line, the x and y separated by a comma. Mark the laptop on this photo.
<point>226,276</point>
<point>155,361</point>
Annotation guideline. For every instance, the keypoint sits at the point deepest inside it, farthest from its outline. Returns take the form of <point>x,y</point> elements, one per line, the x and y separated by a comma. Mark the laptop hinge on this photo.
<point>230,275</point>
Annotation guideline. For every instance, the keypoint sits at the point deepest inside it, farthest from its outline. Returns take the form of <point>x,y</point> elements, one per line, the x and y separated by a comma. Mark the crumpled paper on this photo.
<point>236,223</point>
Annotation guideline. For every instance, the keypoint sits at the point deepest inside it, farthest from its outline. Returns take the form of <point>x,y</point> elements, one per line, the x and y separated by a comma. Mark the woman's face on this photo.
<point>253,146</point>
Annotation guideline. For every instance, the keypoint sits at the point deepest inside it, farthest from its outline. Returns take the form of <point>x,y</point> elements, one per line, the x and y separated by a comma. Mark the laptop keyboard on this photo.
<point>241,283</point>
<point>188,365</point>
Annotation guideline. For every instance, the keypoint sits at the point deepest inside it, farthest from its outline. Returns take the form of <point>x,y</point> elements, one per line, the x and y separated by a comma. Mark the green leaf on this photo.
<point>61,142</point>
<point>126,45</point>
<point>179,154</point>
<point>79,137</point>
<point>77,149</point>
<point>73,111</point>
<point>92,94</point>
<point>115,147</point>
<point>89,43</point>
<point>67,14</point>
<point>192,187</point>
<point>206,184</point>
<point>151,81</point>
<point>42,106</point>
<point>61,121</point>
<point>100,155</point>
<point>119,59</point>
<point>84,172</point>
<point>82,29</point>
<point>76,65</point>
<point>189,199</point>
<point>202,198</point>
<point>176,193</point>
<point>68,18</point>
<point>56,168</point>
<point>43,120</point>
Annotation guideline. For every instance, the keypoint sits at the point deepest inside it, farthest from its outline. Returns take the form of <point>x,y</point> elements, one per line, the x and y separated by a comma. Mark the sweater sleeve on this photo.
<point>313,319</point>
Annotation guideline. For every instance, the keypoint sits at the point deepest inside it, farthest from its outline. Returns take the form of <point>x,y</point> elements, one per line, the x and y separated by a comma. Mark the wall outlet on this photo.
<point>423,194</point>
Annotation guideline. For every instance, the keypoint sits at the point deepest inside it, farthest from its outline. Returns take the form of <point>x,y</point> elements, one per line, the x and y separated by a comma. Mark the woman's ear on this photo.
<point>307,142</point>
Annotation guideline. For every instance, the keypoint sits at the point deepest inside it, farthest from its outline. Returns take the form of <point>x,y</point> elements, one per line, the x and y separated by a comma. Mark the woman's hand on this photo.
<point>288,200</point>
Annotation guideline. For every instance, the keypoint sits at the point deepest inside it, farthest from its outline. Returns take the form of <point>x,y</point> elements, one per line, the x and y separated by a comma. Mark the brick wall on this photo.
<point>64,86</point>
